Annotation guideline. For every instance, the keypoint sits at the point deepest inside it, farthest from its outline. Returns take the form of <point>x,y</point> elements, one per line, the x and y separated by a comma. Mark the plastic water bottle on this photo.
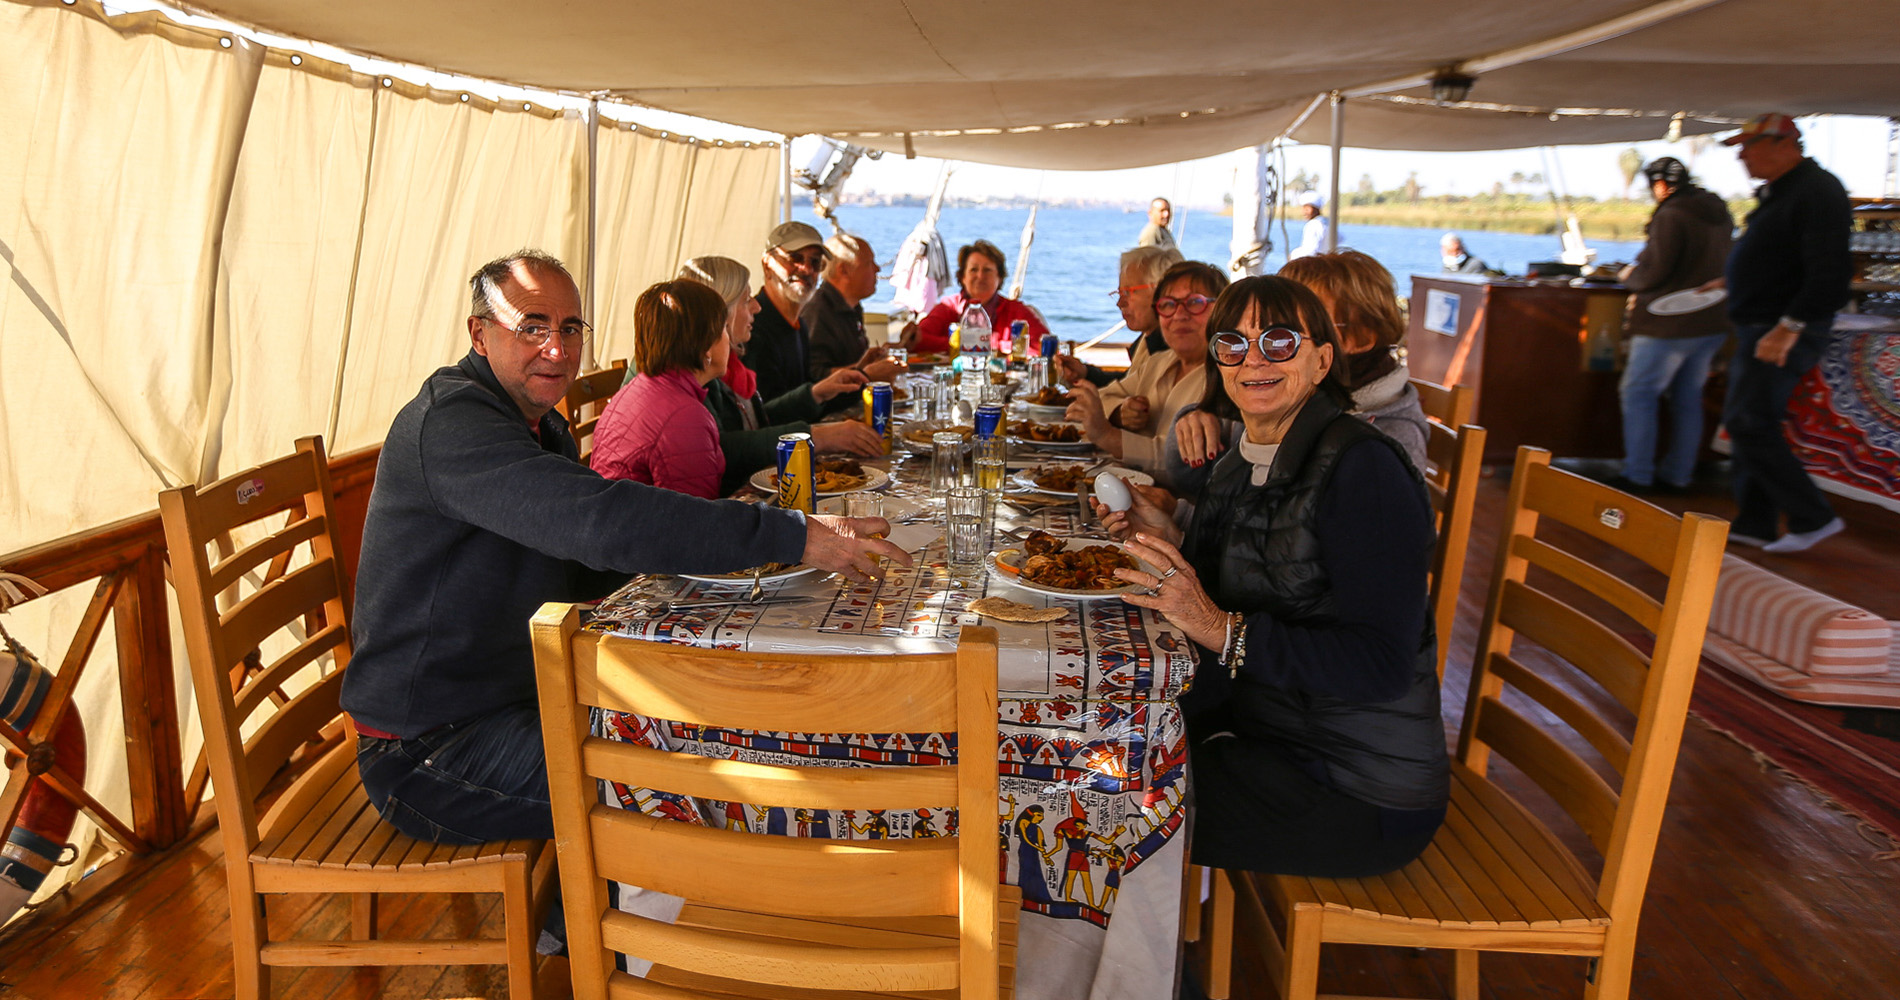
<point>976,328</point>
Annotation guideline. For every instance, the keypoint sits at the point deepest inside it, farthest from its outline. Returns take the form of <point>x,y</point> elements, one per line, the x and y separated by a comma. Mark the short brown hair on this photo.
<point>987,249</point>
<point>674,324</point>
<point>1365,298</point>
<point>1279,302</point>
<point>1206,278</point>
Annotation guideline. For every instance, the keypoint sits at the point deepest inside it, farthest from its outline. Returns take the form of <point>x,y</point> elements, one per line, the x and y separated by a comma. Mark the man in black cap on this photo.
<point>1669,354</point>
<point>1787,276</point>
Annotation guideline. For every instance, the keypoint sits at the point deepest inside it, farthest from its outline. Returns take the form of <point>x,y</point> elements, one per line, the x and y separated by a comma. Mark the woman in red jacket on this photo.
<point>657,429</point>
<point>980,273</point>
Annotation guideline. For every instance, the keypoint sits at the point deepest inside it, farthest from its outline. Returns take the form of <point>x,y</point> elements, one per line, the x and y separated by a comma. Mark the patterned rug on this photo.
<point>1845,416</point>
<point>1856,771</point>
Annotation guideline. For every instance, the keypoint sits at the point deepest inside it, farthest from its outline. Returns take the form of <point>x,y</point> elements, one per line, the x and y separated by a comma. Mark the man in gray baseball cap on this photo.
<point>779,353</point>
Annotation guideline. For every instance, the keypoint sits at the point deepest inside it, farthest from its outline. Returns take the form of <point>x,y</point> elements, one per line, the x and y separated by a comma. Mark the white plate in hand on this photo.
<point>1686,301</point>
<point>1026,478</point>
<point>1003,566</point>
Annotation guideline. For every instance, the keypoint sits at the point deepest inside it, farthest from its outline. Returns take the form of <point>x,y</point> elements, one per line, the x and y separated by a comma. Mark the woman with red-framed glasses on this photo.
<point>1299,576</point>
<point>1129,417</point>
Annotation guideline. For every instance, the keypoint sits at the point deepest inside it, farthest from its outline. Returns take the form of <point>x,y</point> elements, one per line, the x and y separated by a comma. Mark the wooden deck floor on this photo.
<point>1759,890</point>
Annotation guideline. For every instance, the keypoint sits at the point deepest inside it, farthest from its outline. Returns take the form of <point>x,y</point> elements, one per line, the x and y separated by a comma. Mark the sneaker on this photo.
<point>1737,538</point>
<point>1801,541</point>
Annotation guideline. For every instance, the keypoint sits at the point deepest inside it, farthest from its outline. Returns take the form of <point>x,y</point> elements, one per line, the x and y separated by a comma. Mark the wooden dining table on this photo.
<point>1092,754</point>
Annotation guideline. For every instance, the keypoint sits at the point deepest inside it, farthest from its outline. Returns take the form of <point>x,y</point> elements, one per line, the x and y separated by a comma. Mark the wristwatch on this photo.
<point>1797,325</point>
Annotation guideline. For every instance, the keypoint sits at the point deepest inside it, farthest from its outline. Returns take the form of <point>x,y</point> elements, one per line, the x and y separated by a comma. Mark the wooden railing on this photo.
<point>126,564</point>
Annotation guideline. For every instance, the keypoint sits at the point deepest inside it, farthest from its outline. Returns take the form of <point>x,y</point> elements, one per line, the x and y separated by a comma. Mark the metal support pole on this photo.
<point>785,180</point>
<point>593,222</point>
<point>1332,203</point>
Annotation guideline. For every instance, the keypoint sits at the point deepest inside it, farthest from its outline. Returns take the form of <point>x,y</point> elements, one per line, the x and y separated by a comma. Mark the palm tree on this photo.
<point>1630,161</point>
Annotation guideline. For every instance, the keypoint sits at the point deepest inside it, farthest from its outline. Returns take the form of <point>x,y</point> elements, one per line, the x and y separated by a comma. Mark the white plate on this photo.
<point>1025,478</point>
<point>876,479</point>
<point>745,579</point>
<point>1686,301</point>
<point>1082,445</point>
<point>990,562</point>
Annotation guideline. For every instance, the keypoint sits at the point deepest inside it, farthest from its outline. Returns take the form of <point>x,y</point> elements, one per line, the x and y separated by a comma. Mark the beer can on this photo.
<point>882,399</point>
<point>1049,345</point>
<point>797,485</point>
<point>989,420</point>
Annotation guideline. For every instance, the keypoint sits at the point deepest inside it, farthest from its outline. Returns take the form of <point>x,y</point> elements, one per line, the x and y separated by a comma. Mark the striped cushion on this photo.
<point>1804,629</point>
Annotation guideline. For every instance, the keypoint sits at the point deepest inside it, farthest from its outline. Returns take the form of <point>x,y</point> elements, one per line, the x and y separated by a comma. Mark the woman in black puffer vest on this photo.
<point>1316,745</point>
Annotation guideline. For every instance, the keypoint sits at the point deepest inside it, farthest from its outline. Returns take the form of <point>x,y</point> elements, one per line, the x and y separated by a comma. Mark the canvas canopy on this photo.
<point>1118,83</point>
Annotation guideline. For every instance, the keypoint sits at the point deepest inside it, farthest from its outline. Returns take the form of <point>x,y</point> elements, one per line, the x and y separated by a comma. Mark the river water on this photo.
<point>1072,265</point>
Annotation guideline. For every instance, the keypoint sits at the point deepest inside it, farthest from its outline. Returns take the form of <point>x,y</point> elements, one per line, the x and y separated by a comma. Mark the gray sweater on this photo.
<point>476,521</point>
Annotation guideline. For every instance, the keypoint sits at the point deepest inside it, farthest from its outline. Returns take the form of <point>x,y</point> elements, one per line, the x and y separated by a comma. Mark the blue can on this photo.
<point>797,479</point>
<point>1050,345</point>
<point>989,419</point>
<point>882,399</point>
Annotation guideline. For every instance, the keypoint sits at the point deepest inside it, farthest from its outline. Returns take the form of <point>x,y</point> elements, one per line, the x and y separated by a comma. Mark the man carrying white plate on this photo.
<point>1670,350</point>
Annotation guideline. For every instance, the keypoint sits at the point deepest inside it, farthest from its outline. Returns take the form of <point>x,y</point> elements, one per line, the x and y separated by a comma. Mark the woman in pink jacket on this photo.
<point>657,429</point>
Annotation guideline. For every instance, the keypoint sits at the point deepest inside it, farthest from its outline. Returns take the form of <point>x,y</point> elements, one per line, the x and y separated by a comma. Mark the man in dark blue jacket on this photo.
<point>480,514</point>
<point>1787,276</point>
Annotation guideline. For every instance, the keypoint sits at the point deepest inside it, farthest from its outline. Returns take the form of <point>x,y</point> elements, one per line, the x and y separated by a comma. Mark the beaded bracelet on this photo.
<point>1234,651</point>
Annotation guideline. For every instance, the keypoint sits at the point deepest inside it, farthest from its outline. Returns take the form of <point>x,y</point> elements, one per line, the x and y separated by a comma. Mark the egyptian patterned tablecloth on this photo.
<point>1092,751</point>
<point>1844,418</point>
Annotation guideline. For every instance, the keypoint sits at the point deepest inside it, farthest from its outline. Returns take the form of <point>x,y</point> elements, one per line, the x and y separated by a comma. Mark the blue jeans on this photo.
<point>474,781</point>
<point>1676,366</point>
<point>1768,480</point>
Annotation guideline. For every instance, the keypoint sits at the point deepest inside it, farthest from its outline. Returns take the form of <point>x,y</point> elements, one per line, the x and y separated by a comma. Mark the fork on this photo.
<point>756,592</point>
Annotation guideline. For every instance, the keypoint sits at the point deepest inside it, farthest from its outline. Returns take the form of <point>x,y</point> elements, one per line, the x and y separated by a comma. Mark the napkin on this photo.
<point>913,537</point>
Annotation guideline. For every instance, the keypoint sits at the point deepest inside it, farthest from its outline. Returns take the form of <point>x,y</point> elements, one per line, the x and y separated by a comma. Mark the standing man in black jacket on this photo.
<point>1687,247</point>
<point>480,514</point>
<point>1787,276</point>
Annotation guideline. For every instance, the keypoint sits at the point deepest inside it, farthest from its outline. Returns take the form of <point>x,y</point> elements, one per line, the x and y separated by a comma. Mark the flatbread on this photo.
<point>1004,609</point>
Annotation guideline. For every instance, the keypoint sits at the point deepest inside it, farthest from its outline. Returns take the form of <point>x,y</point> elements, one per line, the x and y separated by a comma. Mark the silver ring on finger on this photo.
<point>1171,571</point>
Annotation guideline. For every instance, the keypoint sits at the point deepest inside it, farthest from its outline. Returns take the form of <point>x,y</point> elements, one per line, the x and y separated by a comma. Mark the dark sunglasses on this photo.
<point>1195,304</point>
<point>1276,343</point>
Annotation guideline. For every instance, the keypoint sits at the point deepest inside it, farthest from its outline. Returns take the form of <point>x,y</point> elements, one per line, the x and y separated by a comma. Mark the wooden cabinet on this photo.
<point>1876,246</point>
<point>1544,359</point>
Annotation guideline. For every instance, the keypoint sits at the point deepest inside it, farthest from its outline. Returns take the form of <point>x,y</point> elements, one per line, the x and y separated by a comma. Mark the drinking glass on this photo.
<point>992,457</point>
<point>1038,377</point>
<point>898,356</point>
<point>946,462</point>
<point>864,504</point>
<point>964,534</point>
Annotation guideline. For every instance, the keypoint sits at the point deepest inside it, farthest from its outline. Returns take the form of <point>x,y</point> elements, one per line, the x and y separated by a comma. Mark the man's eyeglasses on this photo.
<point>536,334</point>
<point>1128,290</point>
<point>1195,305</point>
<point>1276,343</point>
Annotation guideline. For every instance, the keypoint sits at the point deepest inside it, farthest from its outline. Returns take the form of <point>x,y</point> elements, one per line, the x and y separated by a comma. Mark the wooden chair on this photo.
<point>320,835</point>
<point>1456,458</point>
<point>587,399</point>
<point>770,916</point>
<point>1496,878</point>
<point>1450,405</point>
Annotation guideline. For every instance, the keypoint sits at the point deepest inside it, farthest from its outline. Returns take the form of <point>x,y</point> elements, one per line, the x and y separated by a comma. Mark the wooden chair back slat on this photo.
<point>1603,737</point>
<point>1450,405</point>
<point>860,788</point>
<point>1556,768</point>
<point>779,962</point>
<point>293,726</point>
<point>272,548</point>
<point>1641,608</point>
<point>587,399</point>
<point>791,879</point>
<point>827,878</point>
<point>733,689</point>
<point>275,674</point>
<point>1584,642</point>
<point>281,604</point>
<point>1633,525</point>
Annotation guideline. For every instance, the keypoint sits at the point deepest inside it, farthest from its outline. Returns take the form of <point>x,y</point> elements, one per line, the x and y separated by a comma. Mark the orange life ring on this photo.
<point>37,843</point>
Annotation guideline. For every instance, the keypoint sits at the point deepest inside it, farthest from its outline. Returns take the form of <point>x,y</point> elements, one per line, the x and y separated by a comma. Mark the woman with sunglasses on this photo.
<point>1360,298</point>
<point>1313,717</point>
<point>1130,417</point>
